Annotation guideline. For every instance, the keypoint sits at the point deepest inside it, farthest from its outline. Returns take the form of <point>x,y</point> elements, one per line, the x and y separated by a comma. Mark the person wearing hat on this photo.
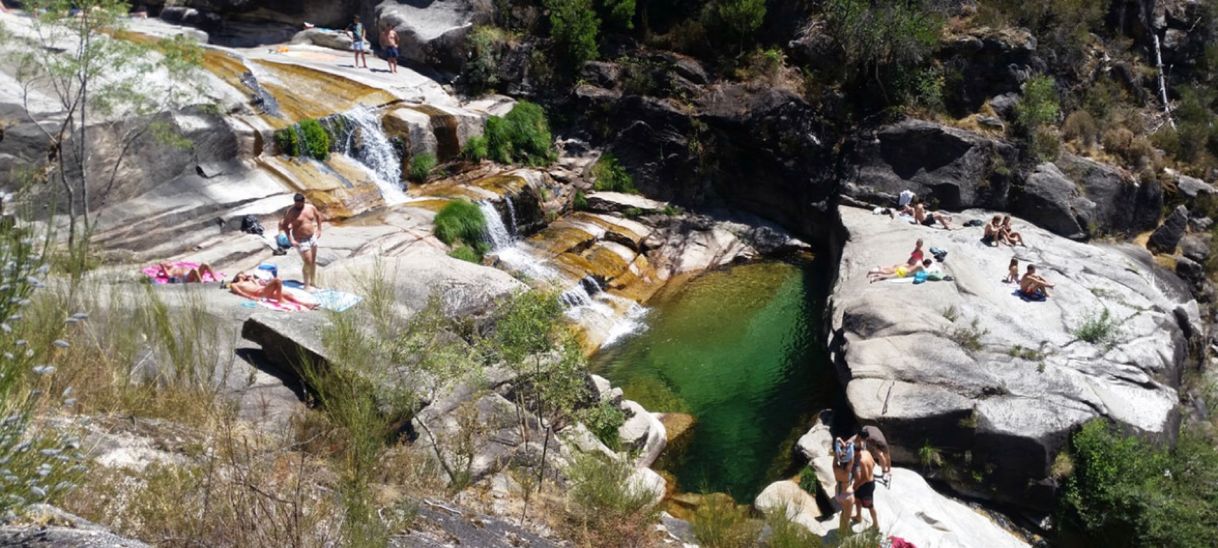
<point>843,472</point>
<point>301,225</point>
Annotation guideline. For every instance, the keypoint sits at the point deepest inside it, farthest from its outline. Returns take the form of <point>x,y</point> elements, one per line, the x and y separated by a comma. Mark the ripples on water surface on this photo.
<point>737,349</point>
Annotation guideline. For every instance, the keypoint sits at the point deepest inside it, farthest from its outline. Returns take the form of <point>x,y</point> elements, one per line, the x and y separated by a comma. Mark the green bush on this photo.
<point>574,26</point>
<point>1039,105</point>
<point>460,222</point>
<point>522,136</point>
<point>605,509</point>
<point>421,166</point>
<point>620,13</point>
<point>807,480</point>
<point>481,71</point>
<point>720,523</point>
<point>609,175</point>
<point>603,419</point>
<point>1046,144</point>
<point>879,35</point>
<point>316,140</point>
<point>308,138</point>
<point>466,253</point>
<point>580,201</point>
<point>475,149</point>
<point>737,20</point>
<point>1097,329</point>
<point>1125,492</point>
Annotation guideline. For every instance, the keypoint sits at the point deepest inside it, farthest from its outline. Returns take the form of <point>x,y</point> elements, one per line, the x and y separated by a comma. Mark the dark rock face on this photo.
<point>984,63</point>
<point>763,150</point>
<point>952,168</point>
<point>1045,199</point>
<point>1166,237</point>
<point>1196,246</point>
<point>1111,199</point>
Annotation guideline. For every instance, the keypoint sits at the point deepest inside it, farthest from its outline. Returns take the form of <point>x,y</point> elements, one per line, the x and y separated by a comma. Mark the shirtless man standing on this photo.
<point>864,483</point>
<point>389,41</point>
<point>302,225</point>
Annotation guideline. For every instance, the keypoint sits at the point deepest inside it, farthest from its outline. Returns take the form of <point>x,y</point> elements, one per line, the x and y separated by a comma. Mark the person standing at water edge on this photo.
<point>359,42</point>
<point>302,225</point>
<point>389,41</point>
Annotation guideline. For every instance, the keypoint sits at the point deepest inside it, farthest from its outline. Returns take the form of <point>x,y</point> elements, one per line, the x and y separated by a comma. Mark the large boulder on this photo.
<point>955,168</point>
<point>995,383</point>
<point>1049,198</point>
<point>798,505</point>
<point>1111,199</point>
<point>642,432</point>
<point>986,62</point>
<point>430,33</point>
<point>1165,238</point>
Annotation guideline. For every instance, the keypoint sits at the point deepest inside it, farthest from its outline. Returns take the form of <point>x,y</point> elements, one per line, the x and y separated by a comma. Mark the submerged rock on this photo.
<point>993,382</point>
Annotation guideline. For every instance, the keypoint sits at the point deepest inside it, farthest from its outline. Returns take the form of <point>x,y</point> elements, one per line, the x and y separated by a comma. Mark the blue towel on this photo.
<point>1037,298</point>
<point>337,301</point>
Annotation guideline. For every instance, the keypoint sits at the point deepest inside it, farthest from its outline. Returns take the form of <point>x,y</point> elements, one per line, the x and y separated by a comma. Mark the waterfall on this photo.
<point>511,208</point>
<point>364,140</point>
<point>496,232</point>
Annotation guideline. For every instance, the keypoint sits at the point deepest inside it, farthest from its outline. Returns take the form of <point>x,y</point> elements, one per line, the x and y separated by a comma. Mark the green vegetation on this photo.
<point>1194,141</point>
<point>486,44</point>
<point>737,20</point>
<point>807,480</point>
<point>466,253</point>
<point>720,523</point>
<point>969,338</point>
<point>1097,329</point>
<point>1128,492</point>
<point>930,456</point>
<point>606,510</point>
<point>609,175</point>
<point>1039,105</point>
<point>785,533</point>
<point>883,41</point>
<point>462,225</point>
<point>603,419</point>
<point>475,149</point>
<point>574,26</point>
<point>522,136</point>
<point>580,201</point>
<point>1061,26</point>
<point>308,138</point>
<point>421,166</point>
<point>619,13</point>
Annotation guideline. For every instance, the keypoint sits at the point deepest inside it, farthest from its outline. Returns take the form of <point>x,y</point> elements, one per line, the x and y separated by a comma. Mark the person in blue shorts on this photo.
<point>389,41</point>
<point>359,41</point>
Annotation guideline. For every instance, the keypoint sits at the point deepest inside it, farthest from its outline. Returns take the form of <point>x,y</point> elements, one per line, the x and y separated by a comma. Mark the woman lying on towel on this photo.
<point>898,271</point>
<point>182,273</point>
<point>269,291</point>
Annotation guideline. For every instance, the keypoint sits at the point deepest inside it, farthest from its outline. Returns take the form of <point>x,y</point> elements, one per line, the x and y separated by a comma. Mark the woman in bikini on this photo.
<point>898,271</point>
<point>246,285</point>
<point>843,473</point>
<point>183,275</point>
<point>1008,235</point>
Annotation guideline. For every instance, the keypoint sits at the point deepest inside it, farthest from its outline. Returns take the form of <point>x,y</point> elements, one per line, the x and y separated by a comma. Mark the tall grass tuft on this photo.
<point>606,510</point>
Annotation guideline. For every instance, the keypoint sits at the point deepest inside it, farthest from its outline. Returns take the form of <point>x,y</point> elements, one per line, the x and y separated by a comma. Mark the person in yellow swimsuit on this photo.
<point>898,271</point>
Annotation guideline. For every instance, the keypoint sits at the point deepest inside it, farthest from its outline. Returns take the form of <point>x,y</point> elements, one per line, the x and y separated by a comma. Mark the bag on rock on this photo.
<point>250,225</point>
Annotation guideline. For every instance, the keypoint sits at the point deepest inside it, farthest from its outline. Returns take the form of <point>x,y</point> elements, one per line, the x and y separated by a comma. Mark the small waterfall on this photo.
<point>511,208</point>
<point>496,232</point>
<point>364,140</point>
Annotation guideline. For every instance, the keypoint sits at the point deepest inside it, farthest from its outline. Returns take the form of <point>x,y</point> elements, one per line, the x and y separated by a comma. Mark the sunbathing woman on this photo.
<point>1008,234</point>
<point>183,275</point>
<point>246,285</point>
<point>898,271</point>
<point>1034,285</point>
<point>993,232</point>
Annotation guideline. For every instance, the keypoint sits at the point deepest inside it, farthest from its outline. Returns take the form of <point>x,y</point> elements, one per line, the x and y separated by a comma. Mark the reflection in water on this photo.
<point>738,350</point>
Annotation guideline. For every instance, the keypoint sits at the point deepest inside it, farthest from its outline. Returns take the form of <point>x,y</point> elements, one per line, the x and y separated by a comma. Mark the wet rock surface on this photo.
<point>969,366</point>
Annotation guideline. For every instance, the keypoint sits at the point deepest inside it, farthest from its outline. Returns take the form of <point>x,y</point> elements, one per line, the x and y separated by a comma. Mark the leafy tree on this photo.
<point>1039,105</point>
<point>72,52</point>
<point>739,19</point>
<point>879,36</point>
<point>574,26</point>
<point>620,13</point>
<point>531,339</point>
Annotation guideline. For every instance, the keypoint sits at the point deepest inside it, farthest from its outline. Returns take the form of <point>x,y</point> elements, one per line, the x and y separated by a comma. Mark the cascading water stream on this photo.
<point>496,233</point>
<point>365,141</point>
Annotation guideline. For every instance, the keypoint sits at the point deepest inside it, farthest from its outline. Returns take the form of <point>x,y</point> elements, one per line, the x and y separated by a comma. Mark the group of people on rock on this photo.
<point>300,228</point>
<point>854,463</point>
<point>916,263</point>
<point>361,46</point>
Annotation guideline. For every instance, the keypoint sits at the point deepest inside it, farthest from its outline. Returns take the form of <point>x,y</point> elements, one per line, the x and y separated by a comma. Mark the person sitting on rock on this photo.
<point>1012,272</point>
<point>250,287</point>
<point>916,256</point>
<point>1008,234</point>
<point>898,271</point>
<point>182,275</point>
<point>843,473</point>
<point>1034,285</point>
<point>928,218</point>
<point>993,232</point>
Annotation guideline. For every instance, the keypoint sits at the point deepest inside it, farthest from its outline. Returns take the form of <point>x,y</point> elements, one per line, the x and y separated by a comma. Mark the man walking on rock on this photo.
<point>302,225</point>
<point>864,483</point>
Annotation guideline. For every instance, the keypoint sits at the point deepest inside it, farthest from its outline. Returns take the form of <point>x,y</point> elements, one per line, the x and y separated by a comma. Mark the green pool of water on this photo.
<point>738,350</point>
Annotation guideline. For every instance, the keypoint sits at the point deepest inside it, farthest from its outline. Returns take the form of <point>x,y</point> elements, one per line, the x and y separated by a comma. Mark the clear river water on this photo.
<point>739,350</point>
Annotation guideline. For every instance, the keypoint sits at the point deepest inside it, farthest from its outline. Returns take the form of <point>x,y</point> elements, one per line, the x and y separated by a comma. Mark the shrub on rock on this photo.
<point>460,222</point>
<point>522,136</point>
